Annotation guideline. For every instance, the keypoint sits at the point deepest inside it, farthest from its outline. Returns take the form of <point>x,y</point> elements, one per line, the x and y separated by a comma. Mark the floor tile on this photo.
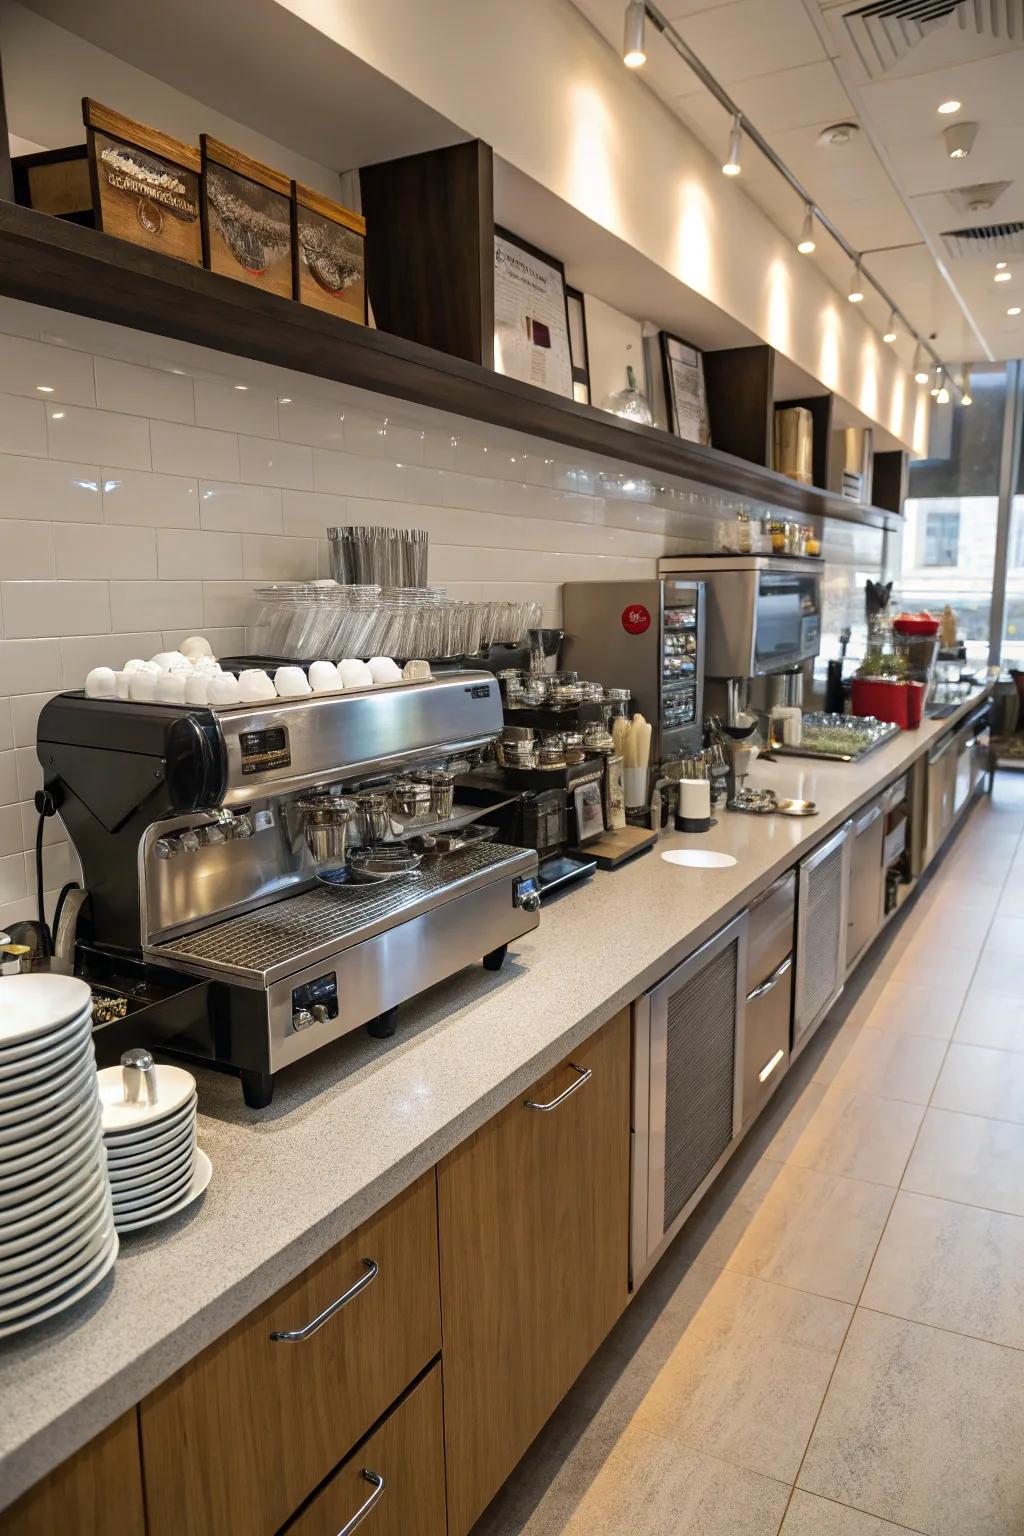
<point>814,1231</point>
<point>856,1134</point>
<point>911,1008</point>
<point>990,1018</point>
<point>1011,900</point>
<point>935,926</point>
<point>892,1066</point>
<point>937,965</point>
<point>808,1515</point>
<point>969,1159</point>
<point>923,1428</point>
<point>953,1266</point>
<point>644,1485</point>
<point>1000,973</point>
<point>961,896</point>
<point>747,1377</point>
<point>1006,935</point>
<point>978,1081</point>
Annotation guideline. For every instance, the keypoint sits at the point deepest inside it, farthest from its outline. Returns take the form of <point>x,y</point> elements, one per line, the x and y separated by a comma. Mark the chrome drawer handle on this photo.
<point>773,980</point>
<point>296,1335</point>
<point>361,1513</point>
<point>585,1074</point>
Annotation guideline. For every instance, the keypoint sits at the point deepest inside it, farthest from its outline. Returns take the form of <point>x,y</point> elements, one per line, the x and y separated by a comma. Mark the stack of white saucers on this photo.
<point>57,1237</point>
<point>149,1131</point>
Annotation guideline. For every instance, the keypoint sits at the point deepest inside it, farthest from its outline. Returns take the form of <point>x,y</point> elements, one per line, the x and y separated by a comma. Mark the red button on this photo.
<point>635,619</point>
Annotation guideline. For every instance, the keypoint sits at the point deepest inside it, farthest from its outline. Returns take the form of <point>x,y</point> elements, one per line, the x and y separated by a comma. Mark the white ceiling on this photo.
<point>794,67</point>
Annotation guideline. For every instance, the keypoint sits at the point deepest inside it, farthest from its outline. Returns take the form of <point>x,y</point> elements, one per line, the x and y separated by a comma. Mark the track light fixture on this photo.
<point>634,54</point>
<point>936,388</point>
<point>856,293</point>
<point>732,160</point>
<point>889,334</point>
<point>920,371</point>
<point>806,242</point>
<point>959,139</point>
<point>942,396</point>
<point>966,398</point>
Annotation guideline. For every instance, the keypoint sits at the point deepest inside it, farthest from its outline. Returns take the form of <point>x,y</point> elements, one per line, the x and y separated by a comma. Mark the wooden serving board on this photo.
<point>614,848</point>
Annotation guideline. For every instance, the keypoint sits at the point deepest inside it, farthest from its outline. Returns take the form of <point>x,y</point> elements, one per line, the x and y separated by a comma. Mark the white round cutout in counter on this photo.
<point>699,858</point>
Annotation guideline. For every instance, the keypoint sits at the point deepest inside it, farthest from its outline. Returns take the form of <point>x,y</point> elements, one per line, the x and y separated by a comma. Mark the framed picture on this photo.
<point>589,811</point>
<point>685,395</point>
<point>578,350</point>
<point>531,316</point>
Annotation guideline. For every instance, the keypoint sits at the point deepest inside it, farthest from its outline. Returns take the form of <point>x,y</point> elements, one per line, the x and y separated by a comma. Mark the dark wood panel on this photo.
<point>49,261</point>
<point>889,480</point>
<point>430,248</point>
<point>96,1492</point>
<point>820,407</point>
<point>739,383</point>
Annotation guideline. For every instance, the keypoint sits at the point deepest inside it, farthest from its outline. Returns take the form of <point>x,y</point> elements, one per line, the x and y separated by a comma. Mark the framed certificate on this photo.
<point>683,367</point>
<point>531,316</point>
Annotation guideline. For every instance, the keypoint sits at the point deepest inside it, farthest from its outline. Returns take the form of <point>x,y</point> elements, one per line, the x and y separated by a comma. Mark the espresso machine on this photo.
<point>206,907</point>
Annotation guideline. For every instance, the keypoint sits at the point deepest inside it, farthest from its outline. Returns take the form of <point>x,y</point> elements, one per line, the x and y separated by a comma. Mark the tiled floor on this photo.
<point>834,1345</point>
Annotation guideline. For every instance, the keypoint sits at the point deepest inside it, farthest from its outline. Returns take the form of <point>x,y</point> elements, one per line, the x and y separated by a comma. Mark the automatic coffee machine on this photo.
<point>204,906</point>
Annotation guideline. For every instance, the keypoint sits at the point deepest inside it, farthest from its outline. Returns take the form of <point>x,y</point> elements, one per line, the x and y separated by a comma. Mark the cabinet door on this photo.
<point>97,1492</point>
<point>533,1218</point>
<point>866,878</point>
<point>394,1481</point>
<point>238,1439</point>
<point>822,899</point>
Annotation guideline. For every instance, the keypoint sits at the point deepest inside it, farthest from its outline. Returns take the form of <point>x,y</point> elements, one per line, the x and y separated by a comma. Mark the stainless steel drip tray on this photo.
<point>259,948</point>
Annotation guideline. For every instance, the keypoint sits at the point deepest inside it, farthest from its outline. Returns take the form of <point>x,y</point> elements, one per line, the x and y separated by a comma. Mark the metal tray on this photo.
<point>880,730</point>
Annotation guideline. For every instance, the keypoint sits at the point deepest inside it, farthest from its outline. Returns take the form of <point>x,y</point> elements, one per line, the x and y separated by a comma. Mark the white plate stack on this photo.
<point>149,1131</point>
<point>57,1237</point>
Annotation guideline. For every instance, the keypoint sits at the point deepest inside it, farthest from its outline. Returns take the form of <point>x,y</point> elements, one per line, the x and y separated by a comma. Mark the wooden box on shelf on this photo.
<point>145,184</point>
<point>247,218</point>
<point>329,255</point>
<point>56,181</point>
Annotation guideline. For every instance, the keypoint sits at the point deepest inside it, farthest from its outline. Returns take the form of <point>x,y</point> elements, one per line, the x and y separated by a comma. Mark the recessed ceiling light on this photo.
<point>1000,265</point>
<point>1014,309</point>
<point>285,400</point>
<point>838,133</point>
<point>946,107</point>
<point>45,389</point>
<point>56,415</point>
<point>1003,277</point>
<point>241,386</point>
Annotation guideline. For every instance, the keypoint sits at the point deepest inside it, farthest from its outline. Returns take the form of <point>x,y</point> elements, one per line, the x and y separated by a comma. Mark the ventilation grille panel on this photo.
<point>700,1076</point>
<point>885,31</point>
<point>986,240</point>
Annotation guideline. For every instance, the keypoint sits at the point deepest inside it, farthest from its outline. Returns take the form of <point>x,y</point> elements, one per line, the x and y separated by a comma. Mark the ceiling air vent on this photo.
<point>986,240</point>
<point>885,31</point>
<point>979,198</point>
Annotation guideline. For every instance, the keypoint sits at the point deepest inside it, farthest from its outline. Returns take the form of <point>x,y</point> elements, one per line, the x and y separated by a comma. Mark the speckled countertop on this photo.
<point>357,1122</point>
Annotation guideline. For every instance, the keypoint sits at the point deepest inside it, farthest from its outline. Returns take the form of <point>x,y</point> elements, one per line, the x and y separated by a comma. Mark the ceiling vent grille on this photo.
<point>986,240</point>
<point>885,31</point>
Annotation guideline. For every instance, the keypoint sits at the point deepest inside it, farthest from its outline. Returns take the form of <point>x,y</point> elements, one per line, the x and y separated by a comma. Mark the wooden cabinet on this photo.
<point>97,1492</point>
<point>396,1476</point>
<point>533,1215</point>
<point>238,1439</point>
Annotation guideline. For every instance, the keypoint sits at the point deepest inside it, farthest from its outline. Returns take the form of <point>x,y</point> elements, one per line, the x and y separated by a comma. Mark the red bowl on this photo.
<point>916,625</point>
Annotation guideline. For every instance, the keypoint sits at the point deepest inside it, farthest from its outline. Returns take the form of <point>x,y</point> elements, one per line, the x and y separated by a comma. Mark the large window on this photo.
<point>941,537</point>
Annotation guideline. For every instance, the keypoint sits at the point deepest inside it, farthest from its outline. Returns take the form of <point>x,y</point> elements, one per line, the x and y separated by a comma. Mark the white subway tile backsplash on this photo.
<point>98,437</point>
<point>20,319</point>
<point>25,715</point>
<point>44,490</point>
<point>226,640</point>
<point>29,666</point>
<point>199,451</point>
<point>230,408</point>
<point>231,603</point>
<point>134,604</point>
<point>150,501</point>
<point>144,391</point>
<point>308,514</point>
<point>22,425</point>
<point>6,725</point>
<point>53,828</point>
<point>313,422</point>
<point>240,508</point>
<point>90,551</point>
<point>278,559</point>
<point>60,864</point>
<point>26,550</point>
<point>201,554</point>
<point>8,778</point>
<point>46,372</point>
<point>35,609</point>
<point>350,474</point>
<point>382,435</point>
<point>510,498</point>
<point>80,653</point>
<point>11,837</point>
<point>266,462</point>
<point>30,774</point>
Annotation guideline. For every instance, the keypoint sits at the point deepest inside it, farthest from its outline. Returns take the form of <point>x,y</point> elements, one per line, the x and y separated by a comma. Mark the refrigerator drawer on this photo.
<point>766,1037</point>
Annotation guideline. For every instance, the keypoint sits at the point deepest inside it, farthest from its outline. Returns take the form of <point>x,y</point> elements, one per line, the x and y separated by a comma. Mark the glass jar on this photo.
<point>616,705</point>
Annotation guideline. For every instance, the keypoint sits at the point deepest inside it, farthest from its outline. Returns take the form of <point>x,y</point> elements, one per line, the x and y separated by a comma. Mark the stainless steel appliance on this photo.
<point>955,768</point>
<point>687,1088</point>
<point>823,883</point>
<point>198,865</point>
<point>763,611</point>
<point>647,636</point>
<point>769,1002</point>
<point>867,877</point>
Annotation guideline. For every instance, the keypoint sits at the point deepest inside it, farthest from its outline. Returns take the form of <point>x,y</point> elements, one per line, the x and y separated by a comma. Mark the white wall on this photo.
<point>145,496</point>
<point>537,82</point>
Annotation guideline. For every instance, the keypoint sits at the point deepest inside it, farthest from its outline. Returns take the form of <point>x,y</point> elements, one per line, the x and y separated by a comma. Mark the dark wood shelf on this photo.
<point>46,261</point>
